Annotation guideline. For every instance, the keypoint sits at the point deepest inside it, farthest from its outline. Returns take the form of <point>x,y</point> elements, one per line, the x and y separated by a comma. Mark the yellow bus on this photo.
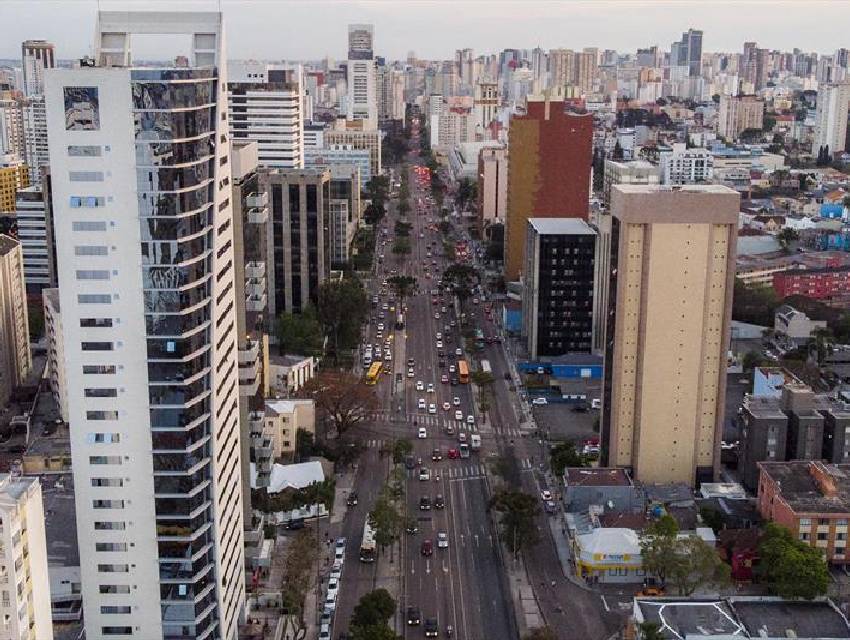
<point>462,372</point>
<point>374,372</point>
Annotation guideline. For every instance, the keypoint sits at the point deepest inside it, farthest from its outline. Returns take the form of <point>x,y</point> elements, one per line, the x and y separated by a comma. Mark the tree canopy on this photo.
<point>565,455</point>
<point>342,398</point>
<point>300,333</point>
<point>790,567</point>
<point>517,510</point>
<point>343,307</point>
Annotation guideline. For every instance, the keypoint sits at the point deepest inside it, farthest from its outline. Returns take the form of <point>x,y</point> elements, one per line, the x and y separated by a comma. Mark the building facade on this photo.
<point>820,284</point>
<point>672,269</point>
<point>25,609</point>
<point>141,186</point>
<point>15,356</point>
<point>14,175</point>
<point>35,233</point>
<point>548,172</point>
<point>558,286</point>
<point>55,366</point>
<point>680,165</point>
<point>344,211</point>
<point>831,118</point>
<point>36,57</point>
<point>739,113</point>
<point>634,172</point>
<point>369,140</point>
<point>299,245</point>
<point>492,185</point>
<point>266,105</point>
<point>339,154</point>
<point>361,75</point>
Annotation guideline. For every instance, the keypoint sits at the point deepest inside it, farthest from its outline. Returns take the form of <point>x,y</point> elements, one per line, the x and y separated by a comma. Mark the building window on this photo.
<point>100,392</point>
<point>94,298</point>
<point>92,274</point>
<point>95,322</point>
<point>105,460</point>
<point>99,369</point>
<point>88,225</point>
<point>110,546</point>
<point>96,346</point>
<point>82,109</point>
<point>101,415</point>
<point>87,202</point>
<point>91,250</point>
<point>107,504</point>
<point>84,150</point>
<point>85,176</point>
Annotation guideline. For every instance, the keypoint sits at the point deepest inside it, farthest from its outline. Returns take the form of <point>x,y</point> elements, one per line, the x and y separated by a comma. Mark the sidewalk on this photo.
<point>389,577</point>
<point>344,485</point>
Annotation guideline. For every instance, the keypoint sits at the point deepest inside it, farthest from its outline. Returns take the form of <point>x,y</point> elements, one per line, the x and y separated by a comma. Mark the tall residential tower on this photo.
<point>141,187</point>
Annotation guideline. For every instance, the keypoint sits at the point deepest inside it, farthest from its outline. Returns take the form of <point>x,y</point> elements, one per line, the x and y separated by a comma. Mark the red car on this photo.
<point>427,548</point>
<point>453,454</point>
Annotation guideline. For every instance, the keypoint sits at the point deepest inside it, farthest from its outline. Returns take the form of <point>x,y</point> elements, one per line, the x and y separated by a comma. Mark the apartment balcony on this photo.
<point>258,215</point>
<point>255,287</point>
<point>257,200</point>
<point>263,447</point>
<point>249,388</point>
<point>264,478</point>
<point>255,269</point>
<point>255,422</point>
<point>256,304</point>
<point>250,353</point>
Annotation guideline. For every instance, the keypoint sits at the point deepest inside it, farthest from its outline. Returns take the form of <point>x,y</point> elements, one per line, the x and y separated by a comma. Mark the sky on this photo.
<point>433,29</point>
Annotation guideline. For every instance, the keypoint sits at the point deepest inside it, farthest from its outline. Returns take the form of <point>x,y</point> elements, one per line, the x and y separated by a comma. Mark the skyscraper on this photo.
<point>141,188</point>
<point>266,104</point>
<point>690,52</point>
<point>548,171</point>
<point>831,118</point>
<point>36,57</point>
<point>672,268</point>
<point>15,356</point>
<point>362,91</point>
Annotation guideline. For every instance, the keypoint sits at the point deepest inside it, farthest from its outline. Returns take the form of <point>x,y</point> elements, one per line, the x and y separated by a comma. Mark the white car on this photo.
<point>439,337</point>
<point>436,316</point>
<point>430,387</point>
<point>442,540</point>
<point>539,401</point>
<point>388,356</point>
<point>424,474</point>
<point>330,603</point>
<point>422,433</point>
<point>470,419</point>
<point>333,587</point>
<point>439,344</point>
<point>458,352</point>
<point>452,368</point>
<point>420,386</point>
<point>381,325</point>
<point>459,415</point>
<point>410,373</point>
<point>456,401</point>
<point>447,406</point>
<point>545,495</point>
<point>421,404</point>
<point>325,632</point>
<point>432,408</point>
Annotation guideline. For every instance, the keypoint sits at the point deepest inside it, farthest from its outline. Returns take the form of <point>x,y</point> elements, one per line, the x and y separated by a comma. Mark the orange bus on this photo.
<point>462,372</point>
<point>373,373</point>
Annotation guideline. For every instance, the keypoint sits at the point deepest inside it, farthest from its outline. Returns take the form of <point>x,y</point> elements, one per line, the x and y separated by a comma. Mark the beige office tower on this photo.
<point>672,270</point>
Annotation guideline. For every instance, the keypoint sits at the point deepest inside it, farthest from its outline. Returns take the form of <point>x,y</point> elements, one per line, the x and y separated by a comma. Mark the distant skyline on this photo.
<point>311,30</point>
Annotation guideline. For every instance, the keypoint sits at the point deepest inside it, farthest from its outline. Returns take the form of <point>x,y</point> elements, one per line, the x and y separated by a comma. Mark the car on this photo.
<point>388,356</point>
<point>432,629</point>
<point>475,301</point>
<point>470,419</point>
<point>452,368</point>
<point>596,403</point>
<point>444,310</point>
<point>409,462</point>
<point>439,502</point>
<point>430,387</point>
<point>461,437</point>
<point>410,373</point>
<point>336,573</point>
<point>453,323</point>
<point>459,415</point>
<point>453,454</point>
<point>442,540</point>
<point>325,630</point>
<point>420,386</point>
<point>580,407</point>
<point>422,434</point>
<point>424,474</point>
<point>432,408</point>
<point>447,406</point>
<point>545,495</point>
<point>456,402</point>
<point>439,344</point>
<point>424,503</point>
<point>411,362</point>
<point>295,524</point>
<point>352,499</point>
<point>444,379</point>
<point>441,354</point>
<point>411,527</point>
<point>540,401</point>
<point>333,587</point>
<point>381,325</point>
<point>326,618</point>
<point>413,616</point>
<point>436,455</point>
<point>439,336</point>
<point>450,429</point>
<point>550,507</point>
<point>421,404</point>
<point>458,352</point>
<point>436,316</point>
<point>441,363</point>
<point>427,548</point>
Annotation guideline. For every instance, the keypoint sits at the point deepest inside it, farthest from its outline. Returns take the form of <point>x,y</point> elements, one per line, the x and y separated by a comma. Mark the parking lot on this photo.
<point>562,423</point>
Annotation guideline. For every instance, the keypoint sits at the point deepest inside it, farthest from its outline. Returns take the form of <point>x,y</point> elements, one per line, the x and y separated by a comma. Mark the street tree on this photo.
<point>372,632</point>
<point>565,455</point>
<point>300,333</point>
<point>462,277</point>
<point>386,519</point>
<point>785,237</point>
<point>650,631</point>
<point>401,449</point>
<point>341,398</point>
<point>402,229</point>
<point>401,246</point>
<point>540,633</point>
<point>297,573</point>
<point>402,285</point>
<point>517,510</point>
<point>374,608</point>
<point>343,307</point>
<point>790,567</point>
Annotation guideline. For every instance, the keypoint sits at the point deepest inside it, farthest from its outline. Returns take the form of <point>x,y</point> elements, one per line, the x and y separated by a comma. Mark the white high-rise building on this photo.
<point>141,188</point>
<point>266,104</point>
<point>362,103</point>
<point>680,165</point>
<point>25,606</point>
<point>35,136</point>
<point>831,118</point>
<point>36,57</point>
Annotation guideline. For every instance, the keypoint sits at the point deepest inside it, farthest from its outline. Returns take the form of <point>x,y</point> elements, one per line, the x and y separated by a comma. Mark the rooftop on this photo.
<point>60,521</point>
<point>596,477</point>
<point>280,407</point>
<point>7,244</point>
<point>775,618</point>
<point>811,487</point>
<point>690,618</point>
<point>287,360</point>
<point>561,226</point>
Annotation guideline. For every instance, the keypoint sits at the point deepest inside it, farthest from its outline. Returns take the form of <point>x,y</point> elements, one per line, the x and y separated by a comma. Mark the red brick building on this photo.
<point>548,172</point>
<point>811,499</point>
<point>820,284</point>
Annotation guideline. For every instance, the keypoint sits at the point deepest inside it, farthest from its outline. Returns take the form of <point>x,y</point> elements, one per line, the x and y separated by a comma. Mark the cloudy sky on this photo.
<point>299,29</point>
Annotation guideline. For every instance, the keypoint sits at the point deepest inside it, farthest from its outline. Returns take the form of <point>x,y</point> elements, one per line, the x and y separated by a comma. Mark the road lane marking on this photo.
<point>427,566</point>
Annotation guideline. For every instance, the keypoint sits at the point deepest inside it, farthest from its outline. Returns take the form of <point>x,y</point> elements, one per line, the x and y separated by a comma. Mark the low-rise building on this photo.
<point>288,373</point>
<point>681,165</point>
<point>284,418</point>
<point>609,486</point>
<point>811,499</point>
<point>820,284</point>
<point>14,175</point>
<point>795,325</point>
<point>634,172</point>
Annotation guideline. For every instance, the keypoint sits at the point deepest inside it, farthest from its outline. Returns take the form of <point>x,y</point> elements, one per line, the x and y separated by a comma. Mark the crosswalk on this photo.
<point>441,422</point>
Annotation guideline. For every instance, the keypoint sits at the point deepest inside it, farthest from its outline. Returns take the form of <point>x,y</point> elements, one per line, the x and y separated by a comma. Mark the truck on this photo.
<point>474,441</point>
<point>485,367</point>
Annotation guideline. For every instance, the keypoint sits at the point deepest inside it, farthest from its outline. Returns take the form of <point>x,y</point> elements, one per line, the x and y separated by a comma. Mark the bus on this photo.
<point>399,321</point>
<point>462,372</point>
<point>373,373</point>
<point>485,367</point>
<point>367,546</point>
